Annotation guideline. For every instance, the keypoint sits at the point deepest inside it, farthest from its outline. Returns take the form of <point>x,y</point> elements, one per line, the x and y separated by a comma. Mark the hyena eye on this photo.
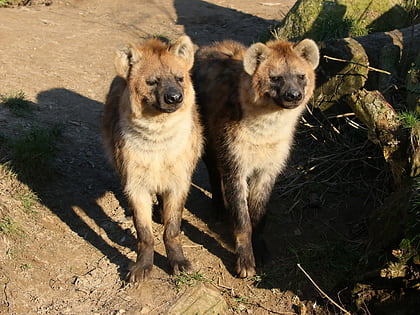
<point>152,82</point>
<point>301,77</point>
<point>276,79</point>
<point>179,79</point>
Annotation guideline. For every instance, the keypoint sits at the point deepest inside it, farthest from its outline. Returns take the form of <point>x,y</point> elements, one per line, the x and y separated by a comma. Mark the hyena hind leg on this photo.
<point>141,206</point>
<point>260,186</point>
<point>172,216</point>
<point>235,192</point>
<point>218,203</point>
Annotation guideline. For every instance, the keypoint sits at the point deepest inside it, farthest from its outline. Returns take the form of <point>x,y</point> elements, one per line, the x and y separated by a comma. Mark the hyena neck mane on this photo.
<point>262,117</point>
<point>158,133</point>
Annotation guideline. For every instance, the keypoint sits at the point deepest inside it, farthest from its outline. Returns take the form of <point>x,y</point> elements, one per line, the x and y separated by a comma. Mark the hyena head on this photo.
<point>282,73</point>
<point>157,75</point>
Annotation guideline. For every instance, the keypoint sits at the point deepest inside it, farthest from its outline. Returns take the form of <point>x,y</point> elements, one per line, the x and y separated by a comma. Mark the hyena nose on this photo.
<point>293,95</point>
<point>173,96</point>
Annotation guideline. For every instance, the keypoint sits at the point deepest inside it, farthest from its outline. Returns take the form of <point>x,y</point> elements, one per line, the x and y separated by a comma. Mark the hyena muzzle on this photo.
<point>250,100</point>
<point>153,136</point>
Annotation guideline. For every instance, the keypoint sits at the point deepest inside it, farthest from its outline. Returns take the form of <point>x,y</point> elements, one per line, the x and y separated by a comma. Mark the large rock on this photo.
<point>199,299</point>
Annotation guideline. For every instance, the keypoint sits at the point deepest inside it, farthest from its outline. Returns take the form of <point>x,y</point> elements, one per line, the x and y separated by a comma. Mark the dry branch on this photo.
<point>321,291</point>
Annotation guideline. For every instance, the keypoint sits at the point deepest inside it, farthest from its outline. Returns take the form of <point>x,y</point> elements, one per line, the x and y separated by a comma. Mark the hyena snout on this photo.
<point>290,98</point>
<point>173,96</point>
<point>293,95</point>
<point>171,99</point>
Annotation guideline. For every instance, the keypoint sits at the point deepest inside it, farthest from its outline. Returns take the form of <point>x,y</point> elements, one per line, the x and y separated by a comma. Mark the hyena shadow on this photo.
<point>206,22</point>
<point>200,205</point>
<point>82,177</point>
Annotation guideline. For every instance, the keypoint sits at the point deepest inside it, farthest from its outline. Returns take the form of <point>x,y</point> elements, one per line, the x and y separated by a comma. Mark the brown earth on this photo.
<point>69,254</point>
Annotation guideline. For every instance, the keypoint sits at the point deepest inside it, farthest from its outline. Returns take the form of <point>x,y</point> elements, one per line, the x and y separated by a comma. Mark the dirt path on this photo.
<point>78,241</point>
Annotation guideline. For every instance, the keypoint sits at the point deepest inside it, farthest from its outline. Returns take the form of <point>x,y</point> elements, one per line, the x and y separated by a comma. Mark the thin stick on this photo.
<point>341,115</point>
<point>322,292</point>
<point>359,64</point>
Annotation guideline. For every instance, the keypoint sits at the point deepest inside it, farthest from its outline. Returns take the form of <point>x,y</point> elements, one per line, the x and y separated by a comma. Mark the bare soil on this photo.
<point>70,253</point>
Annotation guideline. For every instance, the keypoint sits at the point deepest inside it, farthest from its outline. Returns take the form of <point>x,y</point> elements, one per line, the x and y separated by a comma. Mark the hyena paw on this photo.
<point>139,272</point>
<point>245,267</point>
<point>180,266</point>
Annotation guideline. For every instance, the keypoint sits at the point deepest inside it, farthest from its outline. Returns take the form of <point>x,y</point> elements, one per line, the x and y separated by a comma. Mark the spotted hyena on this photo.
<point>153,136</point>
<point>250,100</point>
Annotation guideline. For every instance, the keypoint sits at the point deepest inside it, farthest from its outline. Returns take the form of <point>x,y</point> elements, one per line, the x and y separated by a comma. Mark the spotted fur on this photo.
<point>153,136</point>
<point>250,100</point>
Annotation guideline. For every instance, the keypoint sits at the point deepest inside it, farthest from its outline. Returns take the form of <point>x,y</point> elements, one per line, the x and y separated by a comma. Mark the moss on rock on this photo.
<point>322,19</point>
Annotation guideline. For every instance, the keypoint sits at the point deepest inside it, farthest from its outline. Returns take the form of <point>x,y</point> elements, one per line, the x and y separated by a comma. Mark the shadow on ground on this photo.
<point>206,22</point>
<point>82,176</point>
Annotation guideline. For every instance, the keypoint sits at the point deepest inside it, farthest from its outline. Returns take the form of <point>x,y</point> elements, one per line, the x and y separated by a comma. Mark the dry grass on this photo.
<point>334,152</point>
<point>335,178</point>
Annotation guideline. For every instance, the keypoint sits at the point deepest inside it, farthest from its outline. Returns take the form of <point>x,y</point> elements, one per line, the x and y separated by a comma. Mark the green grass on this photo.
<point>28,199</point>
<point>33,153</point>
<point>409,119</point>
<point>17,103</point>
<point>241,299</point>
<point>189,280</point>
<point>9,227</point>
<point>26,267</point>
<point>6,3</point>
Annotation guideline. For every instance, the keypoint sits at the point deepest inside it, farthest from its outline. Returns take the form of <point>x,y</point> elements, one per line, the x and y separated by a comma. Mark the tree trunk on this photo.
<point>392,51</point>
<point>335,78</point>
<point>384,129</point>
<point>401,149</point>
<point>349,64</point>
<point>323,19</point>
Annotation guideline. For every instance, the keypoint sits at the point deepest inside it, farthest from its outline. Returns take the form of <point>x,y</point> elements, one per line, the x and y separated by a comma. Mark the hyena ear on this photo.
<point>124,59</point>
<point>184,48</point>
<point>309,51</point>
<point>254,55</point>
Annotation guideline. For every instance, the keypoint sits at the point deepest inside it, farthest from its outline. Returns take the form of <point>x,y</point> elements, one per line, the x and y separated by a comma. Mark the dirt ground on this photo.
<point>77,242</point>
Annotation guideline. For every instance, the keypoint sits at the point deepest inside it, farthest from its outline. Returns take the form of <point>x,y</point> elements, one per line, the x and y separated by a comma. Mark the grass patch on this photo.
<point>9,227</point>
<point>189,280</point>
<point>17,103</point>
<point>9,3</point>
<point>25,267</point>
<point>409,119</point>
<point>33,153</point>
<point>28,199</point>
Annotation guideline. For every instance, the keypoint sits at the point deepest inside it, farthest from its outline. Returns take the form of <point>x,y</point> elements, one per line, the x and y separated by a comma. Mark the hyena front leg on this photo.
<point>260,186</point>
<point>235,193</point>
<point>141,206</point>
<point>173,206</point>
